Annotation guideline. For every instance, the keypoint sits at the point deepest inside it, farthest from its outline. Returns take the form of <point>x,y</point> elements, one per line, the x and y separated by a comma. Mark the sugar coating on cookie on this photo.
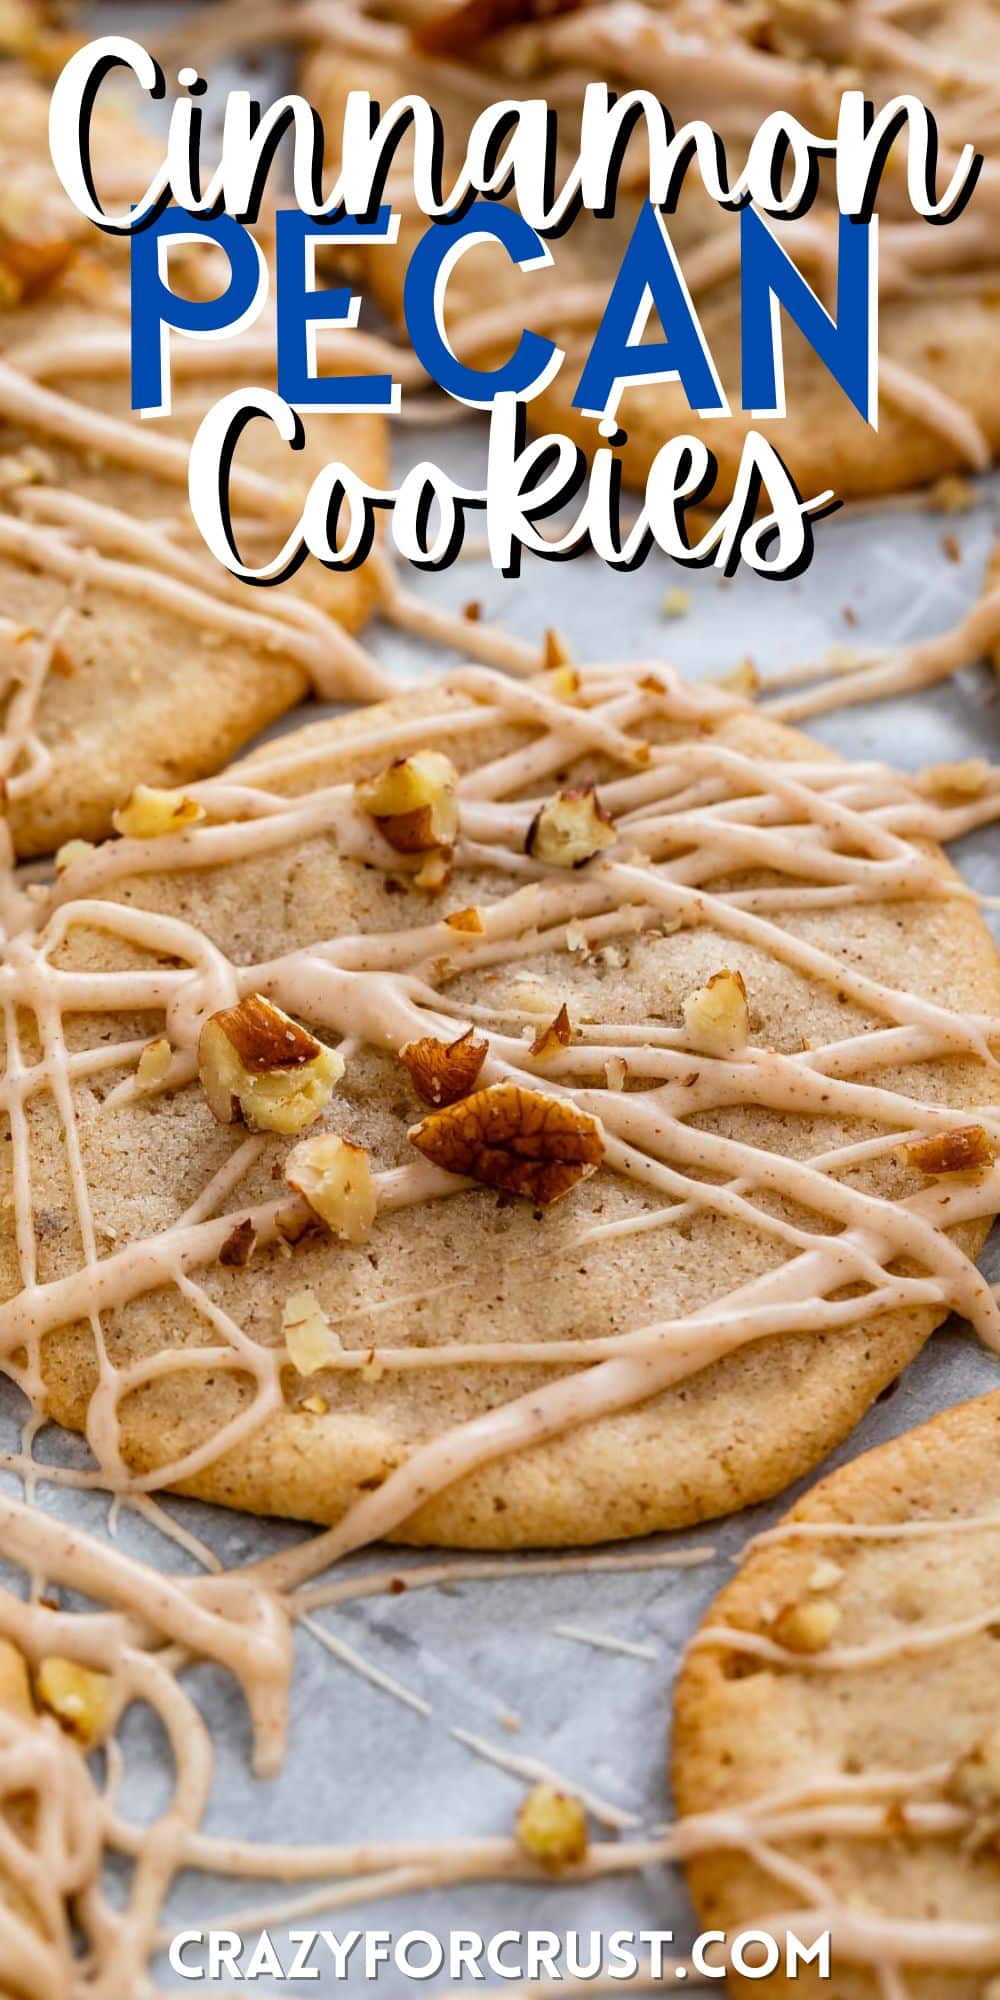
<point>839,1705</point>
<point>626,1227</point>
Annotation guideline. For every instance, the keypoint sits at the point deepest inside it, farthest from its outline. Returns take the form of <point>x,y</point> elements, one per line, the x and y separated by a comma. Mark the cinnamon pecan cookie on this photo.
<point>521,1113</point>
<point>838,1710</point>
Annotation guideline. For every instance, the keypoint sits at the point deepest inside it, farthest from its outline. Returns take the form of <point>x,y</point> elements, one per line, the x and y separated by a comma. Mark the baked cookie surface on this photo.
<point>736,1006</point>
<point>112,607</point>
<point>849,1672</point>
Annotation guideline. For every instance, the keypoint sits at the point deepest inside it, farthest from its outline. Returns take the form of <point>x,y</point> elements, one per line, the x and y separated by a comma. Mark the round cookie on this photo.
<point>702,1205</point>
<point>939,313</point>
<point>128,652</point>
<point>907,1741</point>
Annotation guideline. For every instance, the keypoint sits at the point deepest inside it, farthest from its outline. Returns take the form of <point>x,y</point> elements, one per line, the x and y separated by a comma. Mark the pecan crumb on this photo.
<point>967,1149</point>
<point>469,919</point>
<point>239,1245</point>
<point>414,802</point>
<point>62,663</point>
<point>557,1035</point>
<point>556,652</point>
<point>570,829</point>
<point>552,1827</point>
<point>716,1016</point>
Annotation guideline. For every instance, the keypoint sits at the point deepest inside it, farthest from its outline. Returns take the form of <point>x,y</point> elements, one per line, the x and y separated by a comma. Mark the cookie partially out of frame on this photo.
<point>461,1296</point>
<point>872,1691</point>
<point>939,318</point>
<point>129,654</point>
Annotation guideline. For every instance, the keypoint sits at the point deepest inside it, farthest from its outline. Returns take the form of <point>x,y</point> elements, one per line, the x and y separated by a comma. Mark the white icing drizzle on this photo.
<point>693,817</point>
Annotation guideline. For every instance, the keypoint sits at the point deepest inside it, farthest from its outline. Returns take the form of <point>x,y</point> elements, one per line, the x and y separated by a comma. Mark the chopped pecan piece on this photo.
<point>716,1016</point>
<point>518,1140</point>
<point>257,1064</point>
<point>154,1063</point>
<point>239,1245</point>
<point>965,780</point>
<point>563,683</point>
<point>148,813</point>
<point>742,679</point>
<point>552,1827</point>
<point>470,920</point>
<point>570,829</point>
<point>334,1177</point>
<point>556,1036</point>
<point>808,1627</point>
<point>556,652</point>
<point>442,1072</point>
<point>309,1338</point>
<point>79,1697</point>
<point>414,802</point>
<point>317,1406</point>
<point>434,872</point>
<point>966,1150</point>
<point>62,663</point>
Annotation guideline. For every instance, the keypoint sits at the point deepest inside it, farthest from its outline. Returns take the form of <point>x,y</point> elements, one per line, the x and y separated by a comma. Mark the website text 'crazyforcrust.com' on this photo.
<point>468,1955</point>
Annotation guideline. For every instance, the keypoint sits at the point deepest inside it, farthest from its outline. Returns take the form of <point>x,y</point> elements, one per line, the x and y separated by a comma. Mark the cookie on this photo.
<point>129,654</point>
<point>849,1672</point>
<point>572,1267</point>
<point>939,305</point>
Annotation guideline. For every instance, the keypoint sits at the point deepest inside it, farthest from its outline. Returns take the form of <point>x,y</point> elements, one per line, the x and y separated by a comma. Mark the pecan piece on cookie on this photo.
<point>239,1246</point>
<point>570,829</point>
<point>79,1697</point>
<point>414,802</point>
<point>148,813</point>
<point>309,1338</point>
<point>442,1072</point>
<point>517,1140</point>
<point>334,1177</point>
<point>552,1827</point>
<point>716,1016</point>
<point>968,1149</point>
<point>556,1036</point>
<point>258,1065</point>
